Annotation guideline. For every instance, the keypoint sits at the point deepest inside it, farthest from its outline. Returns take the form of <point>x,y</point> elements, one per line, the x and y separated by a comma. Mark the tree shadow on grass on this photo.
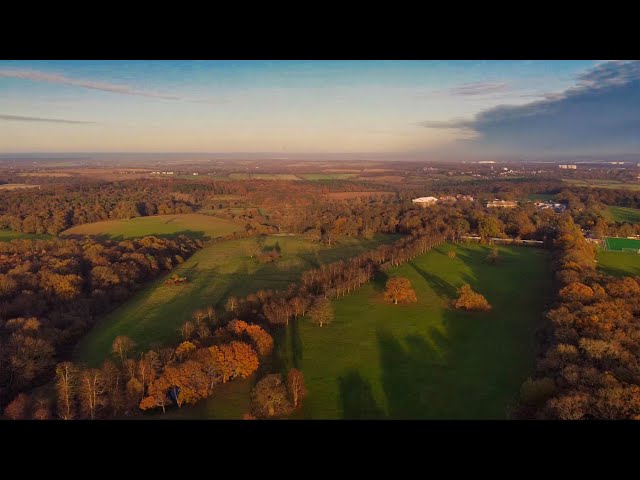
<point>440,286</point>
<point>356,398</point>
<point>296,343</point>
<point>379,281</point>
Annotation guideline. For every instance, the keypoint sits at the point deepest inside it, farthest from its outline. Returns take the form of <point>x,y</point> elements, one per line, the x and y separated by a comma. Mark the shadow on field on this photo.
<point>440,286</point>
<point>356,398</point>
<point>193,234</point>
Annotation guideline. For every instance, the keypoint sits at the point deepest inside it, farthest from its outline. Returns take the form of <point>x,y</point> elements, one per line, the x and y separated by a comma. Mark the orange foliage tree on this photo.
<point>399,289</point>
<point>470,300</point>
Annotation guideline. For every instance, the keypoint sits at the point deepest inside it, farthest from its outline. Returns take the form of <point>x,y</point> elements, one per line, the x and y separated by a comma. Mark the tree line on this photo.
<point>590,365</point>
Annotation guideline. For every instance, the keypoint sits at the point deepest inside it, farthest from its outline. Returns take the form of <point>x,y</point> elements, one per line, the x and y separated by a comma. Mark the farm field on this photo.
<point>602,184</point>
<point>16,186</point>
<point>263,176</point>
<point>622,214</point>
<point>326,176</point>
<point>619,264</point>
<point>350,195</point>
<point>216,272</point>
<point>427,360</point>
<point>190,224</point>
<point>8,235</point>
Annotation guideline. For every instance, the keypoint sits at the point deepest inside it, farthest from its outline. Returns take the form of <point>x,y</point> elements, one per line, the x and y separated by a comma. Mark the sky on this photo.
<point>421,108</point>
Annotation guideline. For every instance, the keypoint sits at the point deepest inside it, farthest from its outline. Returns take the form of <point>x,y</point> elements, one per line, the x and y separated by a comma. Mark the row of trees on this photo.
<point>51,292</point>
<point>590,368</point>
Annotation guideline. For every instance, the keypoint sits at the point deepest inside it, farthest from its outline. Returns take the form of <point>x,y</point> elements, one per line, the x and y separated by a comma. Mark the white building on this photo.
<point>567,167</point>
<point>425,201</point>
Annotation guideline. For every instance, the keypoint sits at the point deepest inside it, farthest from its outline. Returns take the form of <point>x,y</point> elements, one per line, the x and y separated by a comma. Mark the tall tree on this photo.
<point>321,313</point>
<point>66,386</point>
<point>399,289</point>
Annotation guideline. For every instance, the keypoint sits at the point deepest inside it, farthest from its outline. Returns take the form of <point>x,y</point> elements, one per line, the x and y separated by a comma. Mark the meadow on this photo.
<point>427,360</point>
<point>622,214</point>
<point>216,272</point>
<point>190,224</point>
<point>602,184</point>
<point>418,361</point>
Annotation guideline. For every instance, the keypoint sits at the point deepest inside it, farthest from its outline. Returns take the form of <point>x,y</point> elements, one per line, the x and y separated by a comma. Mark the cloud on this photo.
<point>479,88</point>
<point>601,112</point>
<point>20,118</point>
<point>39,76</point>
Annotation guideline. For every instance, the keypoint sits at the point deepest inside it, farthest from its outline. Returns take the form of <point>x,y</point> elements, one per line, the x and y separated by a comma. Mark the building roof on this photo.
<point>425,199</point>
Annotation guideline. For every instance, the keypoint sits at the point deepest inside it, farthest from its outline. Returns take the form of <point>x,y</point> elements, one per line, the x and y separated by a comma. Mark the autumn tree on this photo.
<point>295,385</point>
<point>399,289</point>
<point>156,394</point>
<point>17,409</point>
<point>122,346</point>
<point>184,349</point>
<point>451,254</point>
<point>66,386</point>
<point>321,312</point>
<point>91,391</point>
<point>470,300</point>
<point>269,397</point>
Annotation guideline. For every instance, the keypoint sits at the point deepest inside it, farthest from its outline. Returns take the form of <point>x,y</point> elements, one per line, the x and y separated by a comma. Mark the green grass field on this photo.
<point>263,176</point>
<point>539,197</point>
<point>602,184</point>
<point>619,264</point>
<point>190,224</point>
<point>216,272</point>
<point>8,235</point>
<point>614,244</point>
<point>621,214</point>
<point>326,176</point>
<point>427,360</point>
<point>424,360</point>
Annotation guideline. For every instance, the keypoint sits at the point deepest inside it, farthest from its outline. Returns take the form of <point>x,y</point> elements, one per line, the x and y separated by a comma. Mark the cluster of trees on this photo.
<point>155,379</point>
<point>590,368</point>
<point>51,291</point>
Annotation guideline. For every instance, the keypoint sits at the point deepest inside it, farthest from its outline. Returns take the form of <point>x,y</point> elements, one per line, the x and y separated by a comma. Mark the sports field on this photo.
<point>602,184</point>
<point>620,264</point>
<point>216,272</point>
<point>614,244</point>
<point>424,360</point>
<point>190,224</point>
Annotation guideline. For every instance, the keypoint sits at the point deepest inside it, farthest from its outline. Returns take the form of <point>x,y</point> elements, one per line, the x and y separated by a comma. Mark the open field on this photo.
<point>539,197</point>
<point>622,214</point>
<point>619,264</point>
<point>326,176</point>
<point>191,224</point>
<point>263,176</point>
<point>615,244</point>
<point>350,195</point>
<point>426,360</point>
<point>16,186</point>
<point>602,184</point>
<point>44,174</point>
<point>155,313</point>
<point>8,235</point>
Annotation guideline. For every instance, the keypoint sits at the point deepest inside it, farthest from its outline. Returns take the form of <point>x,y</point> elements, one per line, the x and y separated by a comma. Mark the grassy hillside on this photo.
<point>216,272</point>
<point>191,224</point>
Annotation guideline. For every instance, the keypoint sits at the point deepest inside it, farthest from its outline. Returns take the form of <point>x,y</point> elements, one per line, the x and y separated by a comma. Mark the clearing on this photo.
<point>350,195</point>
<point>190,224</point>
<point>620,264</point>
<point>155,313</point>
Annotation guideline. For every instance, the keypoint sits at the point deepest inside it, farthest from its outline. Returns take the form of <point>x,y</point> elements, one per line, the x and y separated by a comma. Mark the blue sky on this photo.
<point>297,106</point>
